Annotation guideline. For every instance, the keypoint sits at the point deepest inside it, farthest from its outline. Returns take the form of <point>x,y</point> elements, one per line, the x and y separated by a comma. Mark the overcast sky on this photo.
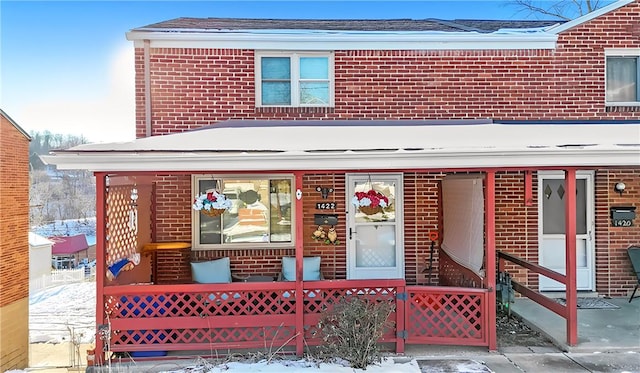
<point>66,66</point>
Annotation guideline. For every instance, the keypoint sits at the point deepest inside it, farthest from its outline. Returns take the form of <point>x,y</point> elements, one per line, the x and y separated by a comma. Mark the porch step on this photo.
<point>562,294</point>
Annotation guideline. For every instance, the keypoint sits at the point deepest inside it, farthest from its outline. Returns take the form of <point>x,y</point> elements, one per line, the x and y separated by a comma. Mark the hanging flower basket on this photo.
<point>370,202</point>
<point>368,210</point>
<point>211,203</point>
<point>213,212</point>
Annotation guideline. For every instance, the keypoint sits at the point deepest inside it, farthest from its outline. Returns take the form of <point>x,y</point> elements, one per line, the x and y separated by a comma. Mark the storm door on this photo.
<point>374,228</point>
<point>551,205</point>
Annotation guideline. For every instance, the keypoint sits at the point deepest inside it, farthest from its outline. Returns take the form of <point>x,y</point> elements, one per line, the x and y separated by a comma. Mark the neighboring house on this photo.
<point>68,251</point>
<point>39,256</point>
<point>14,245</point>
<point>474,133</point>
<point>72,227</point>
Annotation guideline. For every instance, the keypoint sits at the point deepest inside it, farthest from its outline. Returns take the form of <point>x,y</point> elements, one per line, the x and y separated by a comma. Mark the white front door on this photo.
<point>551,228</point>
<point>375,241</point>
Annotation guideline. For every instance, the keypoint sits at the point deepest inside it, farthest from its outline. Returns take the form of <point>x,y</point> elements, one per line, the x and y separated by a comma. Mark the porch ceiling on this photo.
<point>241,145</point>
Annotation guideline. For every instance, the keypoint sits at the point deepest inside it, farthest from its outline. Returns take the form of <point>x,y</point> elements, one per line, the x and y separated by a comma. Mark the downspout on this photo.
<point>147,87</point>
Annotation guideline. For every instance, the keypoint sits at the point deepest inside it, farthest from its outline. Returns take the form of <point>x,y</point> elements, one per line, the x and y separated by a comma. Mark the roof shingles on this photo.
<point>389,25</point>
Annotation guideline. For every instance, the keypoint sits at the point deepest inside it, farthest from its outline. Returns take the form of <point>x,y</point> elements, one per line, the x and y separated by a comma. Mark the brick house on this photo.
<point>14,245</point>
<point>470,131</point>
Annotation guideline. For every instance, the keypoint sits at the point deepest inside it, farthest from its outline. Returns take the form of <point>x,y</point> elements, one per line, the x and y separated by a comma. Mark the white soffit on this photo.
<point>334,147</point>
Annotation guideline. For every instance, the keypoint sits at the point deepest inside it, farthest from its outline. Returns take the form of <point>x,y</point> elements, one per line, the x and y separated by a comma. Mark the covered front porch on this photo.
<point>145,190</point>
<point>153,306</point>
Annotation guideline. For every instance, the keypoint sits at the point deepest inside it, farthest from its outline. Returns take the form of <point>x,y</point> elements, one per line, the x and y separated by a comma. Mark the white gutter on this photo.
<point>240,145</point>
<point>326,40</point>
<point>592,156</point>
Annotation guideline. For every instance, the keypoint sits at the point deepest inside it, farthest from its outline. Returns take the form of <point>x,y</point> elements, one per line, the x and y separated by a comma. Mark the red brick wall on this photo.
<point>421,216</point>
<point>173,208</point>
<point>192,87</point>
<point>614,274</point>
<point>14,214</point>
<point>14,247</point>
<point>516,223</point>
<point>516,229</point>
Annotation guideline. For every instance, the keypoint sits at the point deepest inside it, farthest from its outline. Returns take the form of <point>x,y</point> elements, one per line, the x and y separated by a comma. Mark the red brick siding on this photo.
<point>173,201</point>
<point>516,229</point>
<point>192,87</point>
<point>421,216</point>
<point>14,214</point>
<point>516,223</point>
<point>14,247</point>
<point>334,257</point>
<point>614,274</point>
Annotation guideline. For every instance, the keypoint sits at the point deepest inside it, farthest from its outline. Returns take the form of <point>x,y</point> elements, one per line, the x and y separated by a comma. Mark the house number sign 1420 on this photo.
<point>326,206</point>
<point>622,222</point>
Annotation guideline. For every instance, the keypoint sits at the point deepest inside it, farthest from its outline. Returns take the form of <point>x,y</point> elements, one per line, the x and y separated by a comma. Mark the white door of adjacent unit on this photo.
<point>375,242</point>
<point>551,229</point>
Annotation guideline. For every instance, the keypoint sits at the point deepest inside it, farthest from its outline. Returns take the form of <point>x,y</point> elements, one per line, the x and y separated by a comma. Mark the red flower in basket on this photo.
<point>370,202</point>
<point>211,201</point>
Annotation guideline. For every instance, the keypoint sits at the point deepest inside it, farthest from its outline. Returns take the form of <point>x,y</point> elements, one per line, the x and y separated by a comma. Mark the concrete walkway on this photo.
<point>599,330</point>
<point>448,359</point>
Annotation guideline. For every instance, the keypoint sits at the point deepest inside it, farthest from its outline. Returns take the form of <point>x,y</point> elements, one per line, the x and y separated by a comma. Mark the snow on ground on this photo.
<point>301,366</point>
<point>62,313</point>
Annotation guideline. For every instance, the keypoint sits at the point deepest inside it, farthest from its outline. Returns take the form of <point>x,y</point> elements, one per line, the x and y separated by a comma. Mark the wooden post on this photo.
<point>299,259</point>
<point>528,188</point>
<point>101,261</point>
<point>490,254</point>
<point>571,267</point>
<point>401,326</point>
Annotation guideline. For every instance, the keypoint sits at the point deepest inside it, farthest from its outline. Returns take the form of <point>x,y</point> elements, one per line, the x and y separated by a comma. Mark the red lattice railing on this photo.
<point>219,317</point>
<point>122,238</point>
<point>453,274</point>
<point>199,316</point>
<point>446,315</point>
<point>227,316</point>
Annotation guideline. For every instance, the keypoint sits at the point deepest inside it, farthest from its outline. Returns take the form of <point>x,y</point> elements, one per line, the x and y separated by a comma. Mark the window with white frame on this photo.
<point>623,77</point>
<point>294,79</point>
<point>261,211</point>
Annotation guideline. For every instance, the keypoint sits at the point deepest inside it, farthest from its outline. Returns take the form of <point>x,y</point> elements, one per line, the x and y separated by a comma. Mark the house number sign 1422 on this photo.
<point>326,206</point>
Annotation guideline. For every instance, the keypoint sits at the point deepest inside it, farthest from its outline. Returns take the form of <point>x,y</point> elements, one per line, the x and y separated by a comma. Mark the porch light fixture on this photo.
<point>619,187</point>
<point>134,197</point>
<point>324,191</point>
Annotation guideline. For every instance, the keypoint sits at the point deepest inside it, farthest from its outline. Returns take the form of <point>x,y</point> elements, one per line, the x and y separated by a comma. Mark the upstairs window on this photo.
<point>294,79</point>
<point>622,80</point>
<point>261,212</point>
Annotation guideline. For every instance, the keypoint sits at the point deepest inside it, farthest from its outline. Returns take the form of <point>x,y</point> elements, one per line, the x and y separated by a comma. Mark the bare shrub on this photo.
<point>352,328</point>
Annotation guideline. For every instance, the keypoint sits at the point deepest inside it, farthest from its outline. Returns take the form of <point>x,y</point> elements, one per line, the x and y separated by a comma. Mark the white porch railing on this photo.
<point>60,277</point>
